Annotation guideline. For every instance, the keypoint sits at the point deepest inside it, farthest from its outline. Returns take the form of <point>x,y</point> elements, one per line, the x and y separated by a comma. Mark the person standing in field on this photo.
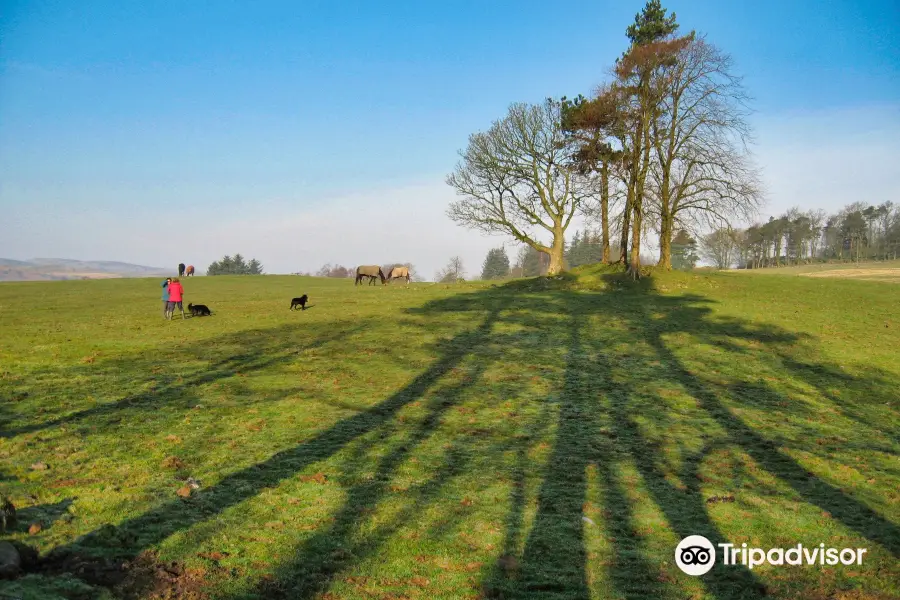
<point>176,296</point>
<point>165,296</point>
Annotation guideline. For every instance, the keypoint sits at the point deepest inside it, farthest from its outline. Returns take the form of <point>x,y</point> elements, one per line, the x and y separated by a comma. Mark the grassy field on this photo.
<point>539,439</point>
<point>888,271</point>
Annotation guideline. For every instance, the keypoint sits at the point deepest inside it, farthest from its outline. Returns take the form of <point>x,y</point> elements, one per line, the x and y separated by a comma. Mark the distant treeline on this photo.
<point>235,265</point>
<point>858,232</point>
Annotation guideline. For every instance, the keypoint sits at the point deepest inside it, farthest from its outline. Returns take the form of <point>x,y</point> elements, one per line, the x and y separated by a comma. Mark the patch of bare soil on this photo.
<point>144,577</point>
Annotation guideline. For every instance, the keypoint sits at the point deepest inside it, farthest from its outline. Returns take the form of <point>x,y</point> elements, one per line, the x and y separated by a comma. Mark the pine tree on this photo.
<point>255,268</point>
<point>496,264</point>
<point>684,251</point>
<point>572,253</point>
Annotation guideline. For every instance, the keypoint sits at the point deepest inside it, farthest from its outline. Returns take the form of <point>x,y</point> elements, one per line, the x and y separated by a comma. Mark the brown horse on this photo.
<point>370,271</point>
<point>399,273</point>
<point>190,270</point>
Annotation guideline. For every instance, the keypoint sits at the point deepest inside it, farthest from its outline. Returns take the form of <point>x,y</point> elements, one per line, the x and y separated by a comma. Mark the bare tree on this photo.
<point>702,170</point>
<point>452,273</point>
<point>816,223</point>
<point>721,247</point>
<point>514,180</point>
<point>642,81</point>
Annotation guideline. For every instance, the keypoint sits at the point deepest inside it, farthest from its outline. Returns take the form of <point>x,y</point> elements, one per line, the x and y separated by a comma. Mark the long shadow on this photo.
<point>554,559</point>
<point>142,532</point>
<point>852,513</point>
<point>256,357</point>
<point>603,401</point>
<point>319,559</point>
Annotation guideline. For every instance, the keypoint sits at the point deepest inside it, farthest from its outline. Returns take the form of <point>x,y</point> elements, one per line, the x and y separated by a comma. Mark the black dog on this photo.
<point>301,301</point>
<point>199,310</point>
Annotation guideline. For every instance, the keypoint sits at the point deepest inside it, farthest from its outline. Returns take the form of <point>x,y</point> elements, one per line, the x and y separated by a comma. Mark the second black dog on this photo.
<point>301,302</point>
<point>199,310</point>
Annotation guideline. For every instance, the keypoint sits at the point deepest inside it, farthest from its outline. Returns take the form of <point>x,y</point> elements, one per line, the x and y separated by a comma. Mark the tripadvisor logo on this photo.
<point>696,555</point>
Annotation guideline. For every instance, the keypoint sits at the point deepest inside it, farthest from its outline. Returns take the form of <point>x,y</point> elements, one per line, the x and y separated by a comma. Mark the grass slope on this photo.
<point>542,439</point>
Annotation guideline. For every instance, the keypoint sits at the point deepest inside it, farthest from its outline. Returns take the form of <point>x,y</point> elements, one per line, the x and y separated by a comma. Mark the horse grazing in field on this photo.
<point>189,271</point>
<point>399,273</point>
<point>370,271</point>
<point>181,269</point>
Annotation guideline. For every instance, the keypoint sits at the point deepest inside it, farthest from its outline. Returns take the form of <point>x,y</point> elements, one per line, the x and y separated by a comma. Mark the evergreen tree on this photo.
<point>496,264</point>
<point>684,251</point>
<point>651,24</point>
<point>235,266</point>
<point>254,268</point>
<point>533,262</point>
<point>572,252</point>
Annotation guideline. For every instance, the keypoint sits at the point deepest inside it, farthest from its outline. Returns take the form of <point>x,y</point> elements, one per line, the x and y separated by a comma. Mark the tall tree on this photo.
<point>641,80</point>
<point>816,223</point>
<point>514,180</point>
<point>702,169</point>
<point>496,264</point>
<point>593,126</point>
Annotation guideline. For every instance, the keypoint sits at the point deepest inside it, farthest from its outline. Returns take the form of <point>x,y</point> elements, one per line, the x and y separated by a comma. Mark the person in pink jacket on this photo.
<point>176,296</point>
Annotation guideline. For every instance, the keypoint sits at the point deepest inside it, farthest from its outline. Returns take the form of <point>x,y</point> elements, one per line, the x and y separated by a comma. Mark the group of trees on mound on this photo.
<point>661,146</point>
<point>858,232</point>
<point>585,248</point>
<point>235,265</point>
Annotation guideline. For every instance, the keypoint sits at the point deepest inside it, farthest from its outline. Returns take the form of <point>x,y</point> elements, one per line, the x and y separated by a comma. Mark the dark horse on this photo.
<point>181,269</point>
<point>190,271</point>
<point>370,271</point>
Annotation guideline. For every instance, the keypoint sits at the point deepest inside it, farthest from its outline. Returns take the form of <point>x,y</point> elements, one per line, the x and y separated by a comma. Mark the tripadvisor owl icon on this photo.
<point>695,555</point>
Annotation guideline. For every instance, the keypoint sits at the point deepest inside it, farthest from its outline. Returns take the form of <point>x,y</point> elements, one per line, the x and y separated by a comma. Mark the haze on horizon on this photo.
<point>322,134</point>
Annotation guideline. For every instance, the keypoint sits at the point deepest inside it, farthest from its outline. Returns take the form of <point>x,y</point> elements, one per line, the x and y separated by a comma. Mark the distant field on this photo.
<point>873,271</point>
<point>539,439</point>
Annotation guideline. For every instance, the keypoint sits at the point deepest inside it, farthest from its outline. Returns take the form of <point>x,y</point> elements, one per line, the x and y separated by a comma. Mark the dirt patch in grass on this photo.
<point>144,577</point>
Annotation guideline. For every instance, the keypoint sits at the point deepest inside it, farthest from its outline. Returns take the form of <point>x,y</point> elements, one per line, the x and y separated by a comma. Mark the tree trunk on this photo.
<point>557,252</point>
<point>634,266</point>
<point>626,221</point>
<point>604,210</point>
<point>665,243</point>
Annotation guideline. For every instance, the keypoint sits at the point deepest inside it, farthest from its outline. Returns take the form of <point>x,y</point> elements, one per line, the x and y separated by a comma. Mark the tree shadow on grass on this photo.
<point>610,388</point>
<point>231,355</point>
<point>127,540</point>
<point>609,417</point>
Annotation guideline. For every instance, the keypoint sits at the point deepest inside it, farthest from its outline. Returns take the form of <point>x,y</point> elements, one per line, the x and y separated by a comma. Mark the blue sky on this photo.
<point>312,132</point>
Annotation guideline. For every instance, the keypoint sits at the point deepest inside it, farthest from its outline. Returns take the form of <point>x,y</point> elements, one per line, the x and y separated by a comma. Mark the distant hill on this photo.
<point>56,269</point>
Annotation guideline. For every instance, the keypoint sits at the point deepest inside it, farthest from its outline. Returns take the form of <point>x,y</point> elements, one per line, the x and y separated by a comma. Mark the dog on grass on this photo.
<point>199,310</point>
<point>301,302</point>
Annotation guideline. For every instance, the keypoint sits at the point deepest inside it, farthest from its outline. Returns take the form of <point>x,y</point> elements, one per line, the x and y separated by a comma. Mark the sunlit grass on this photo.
<point>548,438</point>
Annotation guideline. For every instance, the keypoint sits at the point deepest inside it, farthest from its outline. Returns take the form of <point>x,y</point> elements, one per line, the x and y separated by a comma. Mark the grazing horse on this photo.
<point>399,273</point>
<point>181,269</point>
<point>190,270</point>
<point>370,271</point>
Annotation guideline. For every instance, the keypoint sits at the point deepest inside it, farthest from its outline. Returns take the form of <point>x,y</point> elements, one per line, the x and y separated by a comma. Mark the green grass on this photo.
<point>885,271</point>
<point>540,439</point>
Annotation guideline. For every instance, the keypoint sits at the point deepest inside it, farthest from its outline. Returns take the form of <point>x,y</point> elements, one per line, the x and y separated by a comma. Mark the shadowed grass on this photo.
<point>541,439</point>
